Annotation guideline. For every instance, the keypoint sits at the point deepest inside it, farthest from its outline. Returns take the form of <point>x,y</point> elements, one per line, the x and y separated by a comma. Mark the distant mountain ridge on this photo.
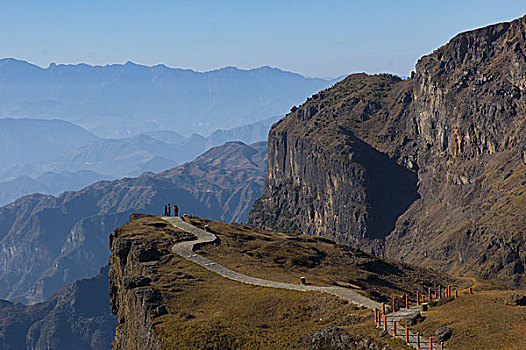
<point>123,99</point>
<point>47,242</point>
<point>27,140</point>
<point>47,183</point>
<point>65,169</point>
<point>77,314</point>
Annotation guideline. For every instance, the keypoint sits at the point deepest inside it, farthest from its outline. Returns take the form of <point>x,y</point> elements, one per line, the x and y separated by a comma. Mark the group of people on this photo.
<point>168,210</point>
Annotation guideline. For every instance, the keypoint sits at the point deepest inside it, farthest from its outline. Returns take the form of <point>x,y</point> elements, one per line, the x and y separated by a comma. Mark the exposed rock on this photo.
<point>335,338</point>
<point>383,333</point>
<point>332,338</point>
<point>443,334</point>
<point>132,300</point>
<point>386,164</point>
<point>412,319</point>
<point>516,300</point>
<point>370,344</point>
<point>134,282</point>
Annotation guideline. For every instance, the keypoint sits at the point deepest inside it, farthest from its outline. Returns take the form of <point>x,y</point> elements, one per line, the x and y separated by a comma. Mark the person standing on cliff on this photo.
<point>169,210</point>
<point>165,210</point>
<point>176,210</point>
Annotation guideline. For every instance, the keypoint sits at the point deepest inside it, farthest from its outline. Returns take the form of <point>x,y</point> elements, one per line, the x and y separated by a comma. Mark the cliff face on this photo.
<point>324,177</point>
<point>134,298</point>
<point>468,117</point>
<point>429,170</point>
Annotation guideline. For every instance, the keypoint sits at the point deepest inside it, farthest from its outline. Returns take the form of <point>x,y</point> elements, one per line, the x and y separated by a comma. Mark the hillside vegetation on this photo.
<point>286,257</point>
<point>199,309</point>
<point>479,321</point>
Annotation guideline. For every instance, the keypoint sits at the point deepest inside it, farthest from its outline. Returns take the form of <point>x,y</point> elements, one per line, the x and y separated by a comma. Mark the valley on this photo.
<point>88,159</point>
<point>368,211</point>
<point>70,231</point>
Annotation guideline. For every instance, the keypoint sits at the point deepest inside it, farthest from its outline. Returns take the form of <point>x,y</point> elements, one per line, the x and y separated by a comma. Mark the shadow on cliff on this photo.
<point>391,188</point>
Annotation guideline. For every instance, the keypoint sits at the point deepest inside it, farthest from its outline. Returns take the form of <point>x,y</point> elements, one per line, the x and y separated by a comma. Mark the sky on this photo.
<point>326,38</point>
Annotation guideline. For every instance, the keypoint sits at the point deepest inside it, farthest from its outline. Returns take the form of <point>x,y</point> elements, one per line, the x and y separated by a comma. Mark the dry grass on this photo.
<point>286,257</point>
<point>152,227</point>
<point>206,311</point>
<point>479,321</point>
<point>210,312</point>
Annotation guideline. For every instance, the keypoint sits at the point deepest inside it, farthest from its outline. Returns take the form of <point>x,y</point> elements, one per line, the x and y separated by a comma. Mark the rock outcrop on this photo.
<point>134,263</point>
<point>515,300</point>
<point>430,170</point>
<point>132,298</point>
<point>323,178</point>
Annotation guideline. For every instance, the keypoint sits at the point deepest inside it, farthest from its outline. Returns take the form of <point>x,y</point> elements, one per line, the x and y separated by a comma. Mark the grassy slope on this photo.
<point>206,311</point>
<point>479,321</point>
<point>286,257</point>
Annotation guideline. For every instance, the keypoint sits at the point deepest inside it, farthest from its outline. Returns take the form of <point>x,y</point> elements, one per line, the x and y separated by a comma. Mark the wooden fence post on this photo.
<point>385,323</point>
<point>439,293</point>
<point>406,302</point>
<point>430,343</point>
<point>406,335</point>
<point>417,340</point>
<point>417,298</point>
<point>429,292</point>
<point>394,328</point>
<point>383,308</point>
<point>394,306</point>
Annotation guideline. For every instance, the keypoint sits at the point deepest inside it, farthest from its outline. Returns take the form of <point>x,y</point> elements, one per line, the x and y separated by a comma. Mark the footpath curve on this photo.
<point>185,249</point>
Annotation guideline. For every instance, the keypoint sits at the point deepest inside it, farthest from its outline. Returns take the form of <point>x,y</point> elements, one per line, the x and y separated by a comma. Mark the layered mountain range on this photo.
<point>78,316</point>
<point>125,99</point>
<point>53,156</point>
<point>430,170</point>
<point>47,242</point>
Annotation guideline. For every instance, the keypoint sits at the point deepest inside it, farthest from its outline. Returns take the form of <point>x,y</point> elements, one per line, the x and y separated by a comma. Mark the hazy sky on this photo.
<point>315,38</point>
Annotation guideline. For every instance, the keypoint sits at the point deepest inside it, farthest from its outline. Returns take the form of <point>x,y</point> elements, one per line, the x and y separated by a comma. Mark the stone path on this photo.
<point>412,338</point>
<point>185,249</point>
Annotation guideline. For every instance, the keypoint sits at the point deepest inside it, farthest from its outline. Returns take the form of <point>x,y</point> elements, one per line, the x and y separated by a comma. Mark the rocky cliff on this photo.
<point>429,170</point>
<point>134,261</point>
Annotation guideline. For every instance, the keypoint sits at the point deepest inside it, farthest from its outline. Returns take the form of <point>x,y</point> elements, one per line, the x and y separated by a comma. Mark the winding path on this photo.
<point>185,249</point>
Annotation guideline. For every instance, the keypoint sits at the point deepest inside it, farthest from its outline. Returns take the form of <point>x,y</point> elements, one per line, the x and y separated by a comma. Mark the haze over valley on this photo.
<point>262,175</point>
